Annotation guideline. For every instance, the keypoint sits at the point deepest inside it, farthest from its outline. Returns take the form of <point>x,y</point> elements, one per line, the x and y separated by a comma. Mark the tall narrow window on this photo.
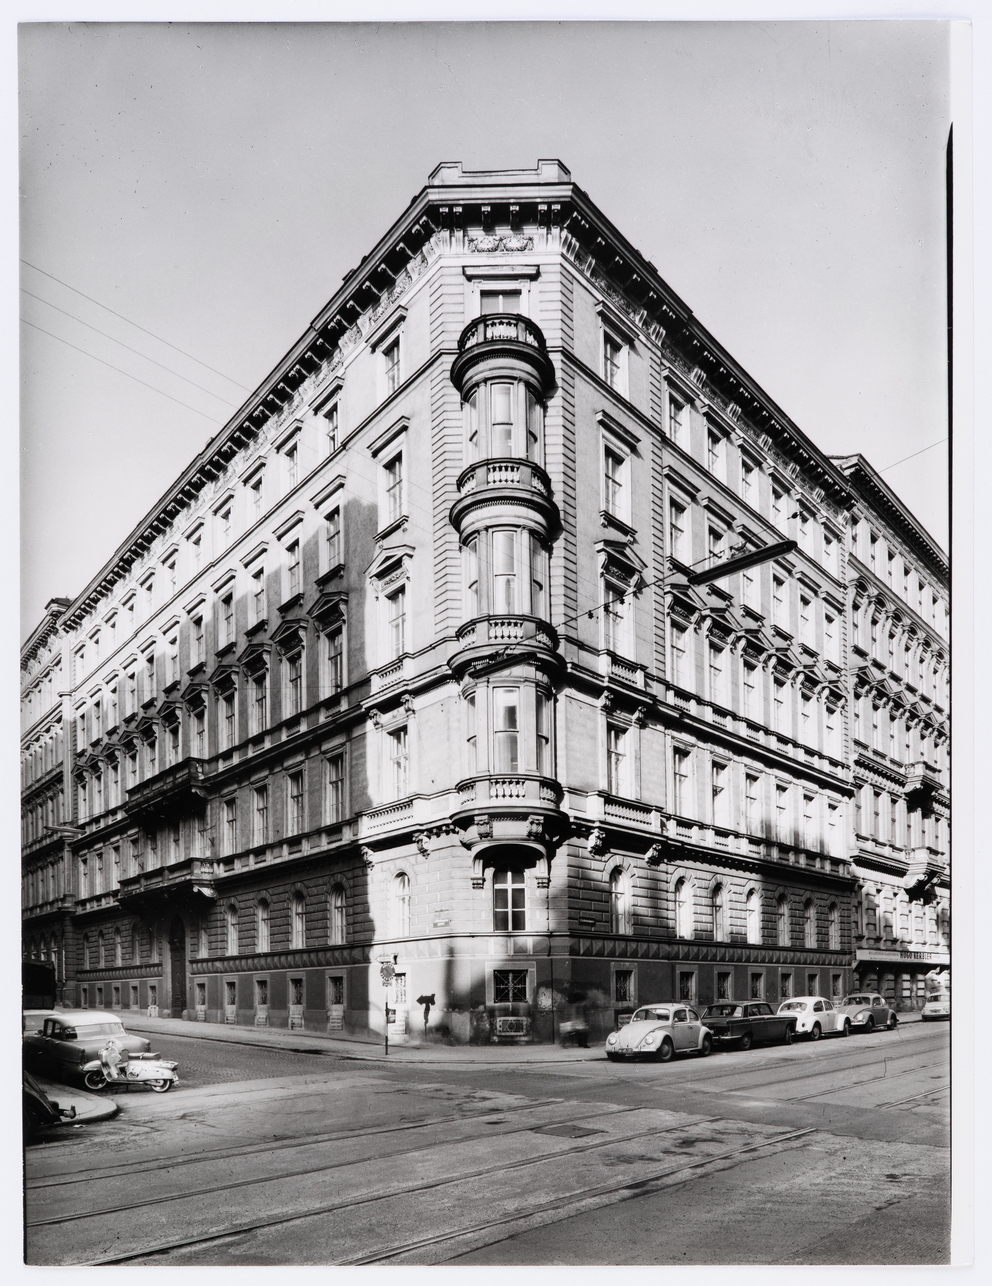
<point>399,761</point>
<point>680,772</point>
<point>470,409</point>
<point>504,571</point>
<point>393,474</point>
<point>331,417</point>
<point>806,621</point>
<point>295,820</point>
<point>782,814</point>
<point>780,706</point>
<point>199,732</point>
<point>227,619</point>
<point>751,814</point>
<point>750,684</point>
<point>334,793</point>
<point>715,453</point>
<point>255,498</point>
<point>619,903</point>
<point>538,577</point>
<point>259,703</point>
<point>616,760</point>
<point>294,683</point>
<point>258,595</point>
<point>615,619</point>
<point>679,667</point>
<point>501,402</point>
<point>676,531</point>
<point>293,577</point>
<point>334,660</point>
<point>509,900</point>
<point>198,649</point>
<point>230,826</point>
<point>543,714</point>
<point>613,482</point>
<point>809,823</point>
<point>678,422</point>
<point>471,733</point>
<point>683,910</point>
<point>262,925</point>
<point>298,919</point>
<point>718,907</point>
<point>391,365</point>
<point>782,920</point>
<point>753,917</point>
<point>833,927</point>
<point>260,816</point>
<point>748,493</point>
<point>338,917</point>
<point>613,361</point>
<point>470,563</point>
<point>396,615</point>
<point>535,428</point>
<point>779,613</point>
<point>332,539</point>
<point>401,905</point>
<point>809,924</point>
<point>718,690</point>
<point>228,718</point>
<point>506,727</point>
<point>720,794</point>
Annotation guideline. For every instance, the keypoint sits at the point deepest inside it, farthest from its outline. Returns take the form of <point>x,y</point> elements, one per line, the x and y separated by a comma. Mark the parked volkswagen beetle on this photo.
<point>867,1010</point>
<point>816,1017</point>
<point>660,1032</point>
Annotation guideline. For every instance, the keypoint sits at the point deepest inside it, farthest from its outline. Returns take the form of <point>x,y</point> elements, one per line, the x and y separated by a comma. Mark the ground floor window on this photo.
<point>84,1001</point>
<point>336,990</point>
<point>117,998</point>
<point>837,985</point>
<point>687,986</point>
<point>201,995</point>
<point>786,986</point>
<point>509,986</point>
<point>624,985</point>
<point>261,992</point>
<point>813,984</point>
<point>296,988</point>
<point>399,988</point>
<point>231,993</point>
<point>723,986</point>
<point>509,900</point>
<point>134,995</point>
<point>757,986</point>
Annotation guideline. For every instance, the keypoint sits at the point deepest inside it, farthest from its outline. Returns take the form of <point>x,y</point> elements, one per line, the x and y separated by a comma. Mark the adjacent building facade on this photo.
<point>410,668</point>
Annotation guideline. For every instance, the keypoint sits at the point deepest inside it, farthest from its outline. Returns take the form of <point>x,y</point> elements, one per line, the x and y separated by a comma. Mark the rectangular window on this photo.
<point>224,523</point>
<point>399,762</point>
<point>332,539</point>
<point>543,716</point>
<point>613,361</point>
<point>615,619</point>
<point>832,721</point>
<point>780,707</point>
<point>809,825</point>
<point>679,667</point>
<point>227,619</point>
<point>807,727</point>
<point>391,365</point>
<point>259,703</point>
<point>779,612</point>
<point>230,826</point>
<point>805,621</point>
<point>198,649</point>
<point>830,553</point>
<point>258,595</point>
<point>614,467</point>
<point>720,795</point>
<point>149,676</point>
<point>294,683</point>
<point>751,816</point>
<point>294,796</point>
<point>749,589</point>
<point>778,509</point>
<point>751,704</point>
<point>509,986</point>
<point>676,531</point>
<point>678,422</point>
<point>757,986</point>
<point>471,732</point>
<point>723,981</point>
<point>616,760</point>
<point>509,901</point>
<point>331,418</point>
<point>506,727</point>
<point>805,532</point>
<point>199,733</point>
<point>255,497</point>
<point>681,770</point>
<point>748,492</point>
<point>393,478</point>
<point>687,987</point>
<point>782,814</point>
<point>717,674</point>
<point>172,744</point>
<point>715,459</point>
<point>831,644</point>
<point>228,719</point>
<point>334,791</point>
<point>334,660</point>
<point>293,578</point>
<point>292,454</point>
<point>499,301</point>
<point>196,549</point>
<point>785,986</point>
<point>396,616</point>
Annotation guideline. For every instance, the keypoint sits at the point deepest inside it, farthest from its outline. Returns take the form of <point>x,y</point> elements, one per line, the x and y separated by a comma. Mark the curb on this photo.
<point>89,1107</point>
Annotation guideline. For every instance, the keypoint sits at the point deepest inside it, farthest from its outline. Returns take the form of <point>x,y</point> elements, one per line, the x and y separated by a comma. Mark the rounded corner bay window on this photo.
<point>503,419</point>
<point>505,572</point>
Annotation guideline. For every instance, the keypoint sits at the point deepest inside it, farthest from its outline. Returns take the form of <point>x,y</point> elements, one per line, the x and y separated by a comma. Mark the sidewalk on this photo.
<point>89,1107</point>
<point>364,1049</point>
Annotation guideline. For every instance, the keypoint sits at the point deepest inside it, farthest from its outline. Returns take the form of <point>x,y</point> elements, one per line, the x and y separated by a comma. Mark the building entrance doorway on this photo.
<point>177,950</point>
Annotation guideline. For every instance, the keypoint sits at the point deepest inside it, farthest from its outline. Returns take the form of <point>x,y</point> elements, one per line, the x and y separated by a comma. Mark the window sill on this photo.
<point>611,520</point>
<point>259,627</point>
<point>392,528</point>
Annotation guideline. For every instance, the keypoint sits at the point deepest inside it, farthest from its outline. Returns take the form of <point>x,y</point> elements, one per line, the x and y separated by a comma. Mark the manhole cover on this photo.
<point>567,1131</point>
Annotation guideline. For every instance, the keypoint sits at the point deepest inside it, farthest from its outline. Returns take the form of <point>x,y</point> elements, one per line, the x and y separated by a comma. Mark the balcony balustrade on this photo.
<point>169,793</point>
<point>189,883</point>
<point>491,640</point>
<point>504,472</point>
<point>503,336</point>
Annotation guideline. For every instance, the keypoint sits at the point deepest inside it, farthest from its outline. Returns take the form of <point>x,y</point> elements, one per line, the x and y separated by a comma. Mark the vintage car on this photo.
<point>748,1022</point>
<point>660,1031</point>
<point>816,1017</point>
<point>39,1110</point>
<point>32,1020</point>
<point>938,1007</point>
<point>867,1010</point>
<point>72,1039</point>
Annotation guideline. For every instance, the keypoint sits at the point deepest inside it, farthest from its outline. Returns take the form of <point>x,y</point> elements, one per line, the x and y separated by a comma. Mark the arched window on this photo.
<point>809,924</point>
<point>834,926</point>
<point>753,907</point>
<point>719,914</point>
<point>782,920</point>
<point>101,949</point>
<point>263,925</point>
<point>401,905</point>
<point>338,933</point>
<point>118,954</point>
<point>298,938</point>
<point>231,919</point>
<point>619,902</point>
<point>86,950</point>
<point>509,900</point>
<point>683,923</point>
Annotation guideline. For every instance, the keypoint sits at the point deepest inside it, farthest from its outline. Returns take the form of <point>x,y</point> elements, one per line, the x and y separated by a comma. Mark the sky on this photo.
<point>197,193</point>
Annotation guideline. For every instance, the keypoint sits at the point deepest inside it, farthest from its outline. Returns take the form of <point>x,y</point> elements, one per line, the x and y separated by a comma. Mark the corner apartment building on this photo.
<point>411,665</point>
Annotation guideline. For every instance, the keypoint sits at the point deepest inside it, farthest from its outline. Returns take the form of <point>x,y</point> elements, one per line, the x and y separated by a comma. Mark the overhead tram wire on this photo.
<point>914,455</point>
<point>119,370</point>
<point>134,323</point>
<point>107,335</point>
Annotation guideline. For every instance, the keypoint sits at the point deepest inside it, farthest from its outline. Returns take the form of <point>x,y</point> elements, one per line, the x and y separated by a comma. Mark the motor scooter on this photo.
<point>116,1066</point>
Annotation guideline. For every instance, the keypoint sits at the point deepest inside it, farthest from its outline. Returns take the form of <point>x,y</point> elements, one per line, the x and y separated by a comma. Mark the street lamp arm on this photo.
<point>763,555</point>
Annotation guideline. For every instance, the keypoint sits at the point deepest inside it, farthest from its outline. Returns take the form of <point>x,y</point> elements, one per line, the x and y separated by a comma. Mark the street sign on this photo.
<point>386,972</point>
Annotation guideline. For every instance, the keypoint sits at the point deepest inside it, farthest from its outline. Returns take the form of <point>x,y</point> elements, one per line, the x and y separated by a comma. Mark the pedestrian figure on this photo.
<point>574,1028</point>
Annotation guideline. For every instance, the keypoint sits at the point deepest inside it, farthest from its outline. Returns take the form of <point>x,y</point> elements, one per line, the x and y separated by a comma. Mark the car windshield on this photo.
<point>791,1006</point>
<point>723,1011</point>
<point>649,1015</point>
<point>855,1000</point>
<point>100,1029</point>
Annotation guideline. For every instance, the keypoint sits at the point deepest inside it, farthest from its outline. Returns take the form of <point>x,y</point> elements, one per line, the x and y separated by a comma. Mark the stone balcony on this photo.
<point>518,486</point>
<point>188,883</point>
<point>504,339</point>
<point>923,782</point>
<point>504,641</point>
<point>170,793</point>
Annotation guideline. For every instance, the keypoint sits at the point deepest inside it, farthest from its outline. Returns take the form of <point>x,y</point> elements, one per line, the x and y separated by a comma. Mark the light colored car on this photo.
<point>868,1010</point>
<point>660,1031</point>
<point>70,1041</point>
<point>816,1017</point>
<point>938,1006</point>
<point>32,1020</point>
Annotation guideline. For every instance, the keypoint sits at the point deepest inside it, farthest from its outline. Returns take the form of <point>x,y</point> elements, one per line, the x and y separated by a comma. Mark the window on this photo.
<point>676,531</point>
<point>751,816</point>
<point>681,766</point>
<point>538,576</point>
<point>678,422</point>
<point>715,544</point>
<point>396,617</point>
<point>338,928</point>
<point>833,927</point>
<point>779,607</point>
<point>719,924</point>
<point>471,733</point>
<point>809,925</point>
<point>831,639</point>
<point>260,816</point>
<point>259,708</point>
<point>753,917</point>
<point>616,619</point>
<point>778,508</point>
<point>262,926</point>
<point>809,827</point>
<point>399,761</point>
<point>293,578</point>
<point>807,725</point>
<point>228,720</point>
<point>334,661</point>
<point>230,826</point>
<point>149,677</point>
<point>715,454</point>
<point>401,905</point>
<point>720,794</point>
<point>499,301</point>
<point>806,621</point>
<point>623,986</point>
<point>619,903</point>
<point>717,674</point>
<point>683,910</point>
<point>509,986</point>
<point>542,710</point>
<point>298,920</point>
<point>509,900</point>
<point>872,551</point>
<point>227,619</point>
<point>782,814</point>
<point>833,830</point>
<point>617,782</point>
<point>614,362</point>
<point>255,497</point>
<point>172,744</point>
<point>749,589</point>
<point>258,595</point>
<point>780,695</point>
<point>785,986</point>
<point>198,649</point>
<point>750,684</point>
<point>393,482</point>
<point>830,553</point>
<point>679,667</point>
<point>504,571</point>
<point>292,454</point>
<point>334,809</point>
<point>782,920</point>
<point>757,989</point>
<point>295,821</point>
<point>332,539</point>
<point>224,524</point>
<point>687,992</point>
<point>294,683</point>
<point>331,419</point>
<point>614,483</point>
<point>196,549</point>
<point>501,419</point>
<point>391,365</point>
<point>506,727</point>
<point>200,733</point>
<point>723,985</point>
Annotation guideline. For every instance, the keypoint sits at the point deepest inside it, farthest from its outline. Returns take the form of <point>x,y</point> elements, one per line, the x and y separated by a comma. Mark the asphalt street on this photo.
<point>835,1152</point>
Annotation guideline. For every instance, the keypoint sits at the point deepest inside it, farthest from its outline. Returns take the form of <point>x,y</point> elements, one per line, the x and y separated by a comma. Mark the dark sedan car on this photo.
<point>747,1023</point>
<point>69,1044</point>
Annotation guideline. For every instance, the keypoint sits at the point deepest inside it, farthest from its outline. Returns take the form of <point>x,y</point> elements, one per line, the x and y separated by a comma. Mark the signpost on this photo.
<point>386,973</point>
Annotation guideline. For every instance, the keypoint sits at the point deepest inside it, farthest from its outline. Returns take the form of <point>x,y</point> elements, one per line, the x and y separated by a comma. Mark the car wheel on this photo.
<point>706,1048</point>
<point>788,1037</point>
<point>745,1040</point>
<point>94,1080</point>
<point>666,1052</point>
<point>893,1020</point>
<point>161,1087</point>
<point>815,1032</point>
<point>870,1024</point>
<point>846,1030</point>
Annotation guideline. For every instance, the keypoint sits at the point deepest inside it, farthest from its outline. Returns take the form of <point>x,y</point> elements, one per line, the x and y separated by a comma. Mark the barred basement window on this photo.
<point>509,986</point>
<point>623,986</point>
